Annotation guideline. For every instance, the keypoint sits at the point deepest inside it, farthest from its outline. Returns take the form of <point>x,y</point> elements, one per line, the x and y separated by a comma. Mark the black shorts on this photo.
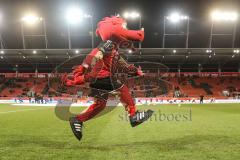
<point>101,87</point>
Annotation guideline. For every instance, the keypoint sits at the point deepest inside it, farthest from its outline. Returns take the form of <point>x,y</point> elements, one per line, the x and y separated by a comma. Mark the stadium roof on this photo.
<point>192,57</point>
<point>161,20</point>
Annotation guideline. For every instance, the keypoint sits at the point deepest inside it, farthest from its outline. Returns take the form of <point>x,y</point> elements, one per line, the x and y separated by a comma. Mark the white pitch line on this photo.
<point>22,110</point>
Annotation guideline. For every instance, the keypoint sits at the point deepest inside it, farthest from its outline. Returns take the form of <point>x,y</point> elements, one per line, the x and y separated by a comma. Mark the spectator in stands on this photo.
<point>177,92</point>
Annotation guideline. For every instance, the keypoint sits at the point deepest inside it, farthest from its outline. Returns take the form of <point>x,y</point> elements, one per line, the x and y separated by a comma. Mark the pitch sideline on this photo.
<point>22,110</point>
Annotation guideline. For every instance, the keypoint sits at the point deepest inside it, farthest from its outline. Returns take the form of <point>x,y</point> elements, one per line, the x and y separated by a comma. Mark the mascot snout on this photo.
<point>113,28</point>
<point>133,35</point>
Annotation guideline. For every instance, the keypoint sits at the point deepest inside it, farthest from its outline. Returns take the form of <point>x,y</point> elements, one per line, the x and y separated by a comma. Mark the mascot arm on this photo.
<point>78,70</point>
<point>130,69</point>
<point>91,58</point>
<point>89,63</point>
<point>106,47</point>
<point>97,54</point>
<point>76,81</point>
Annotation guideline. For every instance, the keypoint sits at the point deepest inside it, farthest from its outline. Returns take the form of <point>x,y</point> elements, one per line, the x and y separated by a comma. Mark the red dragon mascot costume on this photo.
<point>99,69</point>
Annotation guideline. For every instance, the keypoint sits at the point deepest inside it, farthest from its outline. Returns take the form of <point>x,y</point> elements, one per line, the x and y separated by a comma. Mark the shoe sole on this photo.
<point>150,112</point>
<point>76,134</point>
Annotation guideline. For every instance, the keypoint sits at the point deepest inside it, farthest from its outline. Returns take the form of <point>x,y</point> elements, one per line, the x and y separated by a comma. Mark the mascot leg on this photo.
<point>127,100</point>
<point>135,117</point>
<point>93,110</point>
<point>76,123</point>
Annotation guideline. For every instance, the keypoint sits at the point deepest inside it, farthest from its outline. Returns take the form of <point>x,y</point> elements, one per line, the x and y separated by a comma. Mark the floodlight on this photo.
<point>208,51</point>
<point>176,17</point>
<point>87,16</point>
<point>31,19</point>
<point>224,16</point>
<point>34,52</point>
<point>236,51</point>
<point>2,52</point>
<point>174,51</point>
<point>216,15</point>
<point>77,51</point>
<point>74,15</point>
<point>234,16</point>
<point>184,17</point>
<point>126,15</point>
<point>132,15</point>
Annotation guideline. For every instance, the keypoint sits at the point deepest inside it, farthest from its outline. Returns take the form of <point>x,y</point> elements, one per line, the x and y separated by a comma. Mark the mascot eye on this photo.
<point>125,44</point>
<point>124,25</point>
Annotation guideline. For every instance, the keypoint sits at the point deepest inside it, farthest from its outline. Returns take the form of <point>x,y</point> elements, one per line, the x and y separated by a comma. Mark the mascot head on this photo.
<point>114,28</point>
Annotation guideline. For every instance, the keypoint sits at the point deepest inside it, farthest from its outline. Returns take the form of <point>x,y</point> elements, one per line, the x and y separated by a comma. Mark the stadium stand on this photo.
<point>148,86</point>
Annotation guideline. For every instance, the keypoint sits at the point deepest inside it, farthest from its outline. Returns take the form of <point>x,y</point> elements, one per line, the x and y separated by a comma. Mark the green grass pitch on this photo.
<point>211,131</point>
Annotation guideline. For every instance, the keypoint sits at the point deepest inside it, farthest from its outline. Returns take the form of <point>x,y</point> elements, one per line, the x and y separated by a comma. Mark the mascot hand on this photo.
<point>134,71</point>
<point>79,80</point>
<point>140,72</point>
<point>76,81</point>
<point>69,83</point>
<point>78,71</point>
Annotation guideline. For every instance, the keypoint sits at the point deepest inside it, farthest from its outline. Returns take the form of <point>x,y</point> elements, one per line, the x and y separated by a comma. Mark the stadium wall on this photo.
<point>112,102</point>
